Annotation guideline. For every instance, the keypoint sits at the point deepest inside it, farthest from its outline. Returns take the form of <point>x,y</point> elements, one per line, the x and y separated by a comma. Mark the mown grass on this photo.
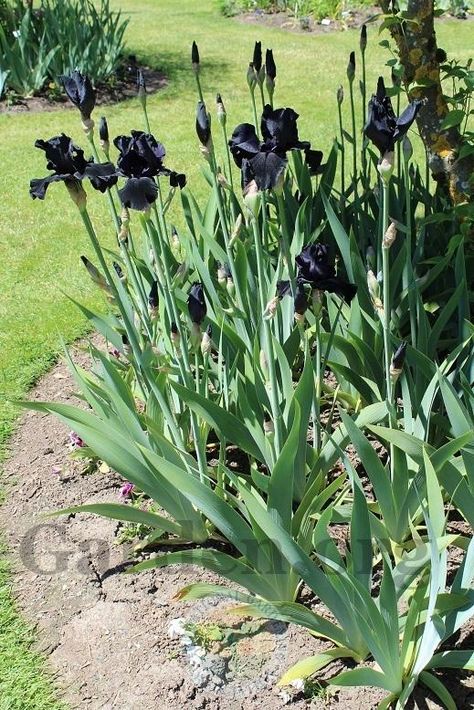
<point>40,244</point>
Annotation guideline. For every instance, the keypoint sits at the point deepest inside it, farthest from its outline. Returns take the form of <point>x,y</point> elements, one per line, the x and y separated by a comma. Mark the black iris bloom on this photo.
<point>270,66</point>
<point>257,56</point>
<point>68,164</point>
<point>203,124</point>
<point>301,299</point>
<point>140,160</point>
<point>264,161</point>
<point>80,92</point>
<point>383,128</point>
<point>314,268</point>
<point>196,304</point>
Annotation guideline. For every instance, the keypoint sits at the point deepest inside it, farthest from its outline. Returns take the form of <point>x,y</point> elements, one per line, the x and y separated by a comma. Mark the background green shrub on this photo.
<point>38,45</point>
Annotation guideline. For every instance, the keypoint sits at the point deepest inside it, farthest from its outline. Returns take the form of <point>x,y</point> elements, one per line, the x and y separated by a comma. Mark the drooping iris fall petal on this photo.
<point>314,268</point>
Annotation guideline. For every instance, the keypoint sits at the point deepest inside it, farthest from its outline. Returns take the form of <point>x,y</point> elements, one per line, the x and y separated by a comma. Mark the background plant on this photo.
<point>39,45</point>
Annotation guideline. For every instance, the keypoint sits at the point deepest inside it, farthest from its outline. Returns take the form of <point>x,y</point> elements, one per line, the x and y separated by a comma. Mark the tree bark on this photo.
<point>417,49</point>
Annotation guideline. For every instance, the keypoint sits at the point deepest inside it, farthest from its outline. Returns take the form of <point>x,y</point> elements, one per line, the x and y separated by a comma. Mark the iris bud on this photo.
<point>221,114</point>
<point>206,342</point>
<point>252,198</point>
<point>389,236</point>
<point>371,258</point>
<point>175,338</point>
<point>221,275</point>
<point>257,56</point>
<point>126,345</point>
<point>271,308</point>
<point>398,360</point>
<point>236,230</point>
<point>251,77</point>
<point>119,272</point>
<point>95,274</point>
<point>104,135</point>
<point>317,299</point>
<point>407,149</point>
<point>386,165</point>
<point>153,300</point>
<point>268,426</point>
<point>124,226</point>
<point>230,286</point>
<point>363,38</point>
<point>374,290</point>
<point>351,67</point>
<point>195,57</point>
<point>340,95</point>
<point>141,88</point>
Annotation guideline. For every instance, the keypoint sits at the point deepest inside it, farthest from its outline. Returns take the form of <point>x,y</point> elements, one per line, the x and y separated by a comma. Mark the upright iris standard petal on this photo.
<point>301,299</point>
<point>314,159</point>
<point>203,124</point>
<point>279,129</point>
<point>196,304</point>
<point>383,128</point>
<point>140,160</point>
<point>79,89</point>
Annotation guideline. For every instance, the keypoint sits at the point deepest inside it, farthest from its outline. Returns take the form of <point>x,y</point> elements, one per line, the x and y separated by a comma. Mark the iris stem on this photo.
<point>285,234</point>
<point>199,88</point>
<point>255,115</point>
<point>354,132</point>
<point>364,116</point>
<point>227,150</point>
<point>268,344</point>
<point>408,272</point>
<point>343,149</point>
<point>262,95</point>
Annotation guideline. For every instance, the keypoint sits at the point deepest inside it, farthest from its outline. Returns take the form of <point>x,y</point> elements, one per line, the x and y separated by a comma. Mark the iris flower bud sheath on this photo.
<point>398,361</point>
<point>389,236</point>
<point>340,95</point>
<point>141,88</point>
<point>221,113</point>
<point>104,135</point>
<point>175,338</point>
<point>351,66</point>
<point>206,342</point>
<point>195,61</point>
<point>363,38</point>
<point>251,77</point>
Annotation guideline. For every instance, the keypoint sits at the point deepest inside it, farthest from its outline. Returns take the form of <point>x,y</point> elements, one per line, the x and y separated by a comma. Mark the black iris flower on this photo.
<point>140,160</point>
<point>314,268</point>
<point>80,92</point>
<point>68,164</point>
<point>265,161</point>
<point>301,299</point>
<point>383,128</point>
<point>196,304</point>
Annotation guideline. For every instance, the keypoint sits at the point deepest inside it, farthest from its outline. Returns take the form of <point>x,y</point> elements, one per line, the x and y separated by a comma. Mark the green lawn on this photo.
<point>40,243</point>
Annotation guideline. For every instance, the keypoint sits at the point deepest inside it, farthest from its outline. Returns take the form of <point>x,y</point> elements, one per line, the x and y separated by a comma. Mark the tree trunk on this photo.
<point>417,48</point>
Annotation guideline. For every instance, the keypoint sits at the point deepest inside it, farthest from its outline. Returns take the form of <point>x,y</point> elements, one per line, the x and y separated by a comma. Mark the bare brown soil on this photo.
<point>123,87</point>
<point>106,633</point>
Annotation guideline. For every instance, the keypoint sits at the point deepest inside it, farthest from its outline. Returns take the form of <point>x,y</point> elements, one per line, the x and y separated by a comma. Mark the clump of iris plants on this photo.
<point>274,367</point>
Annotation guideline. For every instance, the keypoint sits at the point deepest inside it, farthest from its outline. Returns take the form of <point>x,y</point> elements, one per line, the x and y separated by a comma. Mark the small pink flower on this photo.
<point>76,440</point>
<point>115,353</point>
<point>126,490</point>
<point>57,470</point>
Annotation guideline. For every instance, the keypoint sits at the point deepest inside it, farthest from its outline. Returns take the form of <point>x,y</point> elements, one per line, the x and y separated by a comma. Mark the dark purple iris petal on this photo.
<point>101,175</point>
<point>270,66</point>
<point>313,159</point>
<point>150,149</point>
<point>266,169</point>
<point>196,304</point>
<point>68,164</point>
<point>203,124</point>
<point>257,56</point>
<point>244,143</point>
<point>313,263</point>
<point>382,127</point>
<point>301,299</point>
<point>38,186</point>
<point>132,164</point>
<point>279,129</point>
<point>138,193</point>
<point>177,179</point>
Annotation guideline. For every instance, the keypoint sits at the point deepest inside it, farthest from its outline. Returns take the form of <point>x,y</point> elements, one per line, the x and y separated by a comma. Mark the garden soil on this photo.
<point>105,633</point>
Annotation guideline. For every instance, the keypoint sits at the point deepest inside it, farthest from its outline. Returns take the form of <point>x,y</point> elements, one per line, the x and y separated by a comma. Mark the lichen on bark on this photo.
<point>415,38</point>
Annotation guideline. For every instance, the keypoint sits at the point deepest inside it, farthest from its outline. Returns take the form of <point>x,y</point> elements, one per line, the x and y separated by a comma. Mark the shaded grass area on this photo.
<point>40,244</point>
